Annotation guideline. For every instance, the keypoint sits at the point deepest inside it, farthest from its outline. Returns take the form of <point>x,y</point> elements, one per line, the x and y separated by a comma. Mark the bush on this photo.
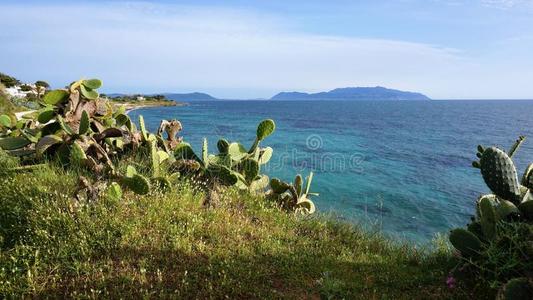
<point>8,81</point>
<point>497,246</point>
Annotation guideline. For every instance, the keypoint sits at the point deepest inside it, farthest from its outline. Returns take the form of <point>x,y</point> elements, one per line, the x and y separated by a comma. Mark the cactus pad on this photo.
<point>237,151</point>
<point>499,173</point>
<point>527,179</point>
<point>265,128</point>
<point>88,93</point>
<point>278,186</point>
<point>223,146</point>
<point>465,242</point>
<point>265,155</point>
<point>487,217</point>
<point>55,97</point>
<point>13,143</point>
<point>137,183</point>
<point>526,208</point>
<point>45,115</point>
<point>516,289</point>
<point>250,169</point>
<point>92,83</point>
<point>114,191</point>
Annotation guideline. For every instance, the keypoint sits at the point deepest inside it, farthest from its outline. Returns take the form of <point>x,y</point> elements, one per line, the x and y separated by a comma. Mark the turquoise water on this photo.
<point>400,167</point>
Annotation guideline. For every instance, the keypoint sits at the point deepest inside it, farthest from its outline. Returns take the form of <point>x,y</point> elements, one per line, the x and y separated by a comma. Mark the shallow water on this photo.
<point>401,167</point>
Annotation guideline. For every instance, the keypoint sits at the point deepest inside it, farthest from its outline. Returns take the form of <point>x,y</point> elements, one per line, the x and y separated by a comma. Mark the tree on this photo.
<point>25,88</point>
<point>8,81</point>
<point>43,84</point>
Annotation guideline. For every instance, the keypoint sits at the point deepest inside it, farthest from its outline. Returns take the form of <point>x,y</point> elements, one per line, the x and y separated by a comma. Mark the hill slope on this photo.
<point>190,97</point>
<point>353,93</point>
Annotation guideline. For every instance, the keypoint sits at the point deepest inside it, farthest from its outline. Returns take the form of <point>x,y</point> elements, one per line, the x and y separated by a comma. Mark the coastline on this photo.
<point>129,106</point>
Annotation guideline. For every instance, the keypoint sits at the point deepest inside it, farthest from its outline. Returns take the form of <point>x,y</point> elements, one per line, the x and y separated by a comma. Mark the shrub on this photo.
<point>497,245</point>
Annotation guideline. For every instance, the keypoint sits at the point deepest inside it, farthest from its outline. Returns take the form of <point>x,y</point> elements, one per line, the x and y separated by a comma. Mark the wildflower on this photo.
<point>450,281</point>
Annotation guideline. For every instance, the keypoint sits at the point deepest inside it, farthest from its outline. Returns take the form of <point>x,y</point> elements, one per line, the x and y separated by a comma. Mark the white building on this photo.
<point>17,92</point>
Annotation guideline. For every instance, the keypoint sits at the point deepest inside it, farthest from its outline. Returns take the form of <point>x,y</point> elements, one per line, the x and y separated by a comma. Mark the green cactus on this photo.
<point>278,186</point>
<point>136,182</point>
<point>223,146</point>
<point>45,115</point>
<point>516,289</point>
<point>526,208</point>
<point>77,154</point>
<point>205,154</point>
<point>516,145</point>
<point>84,123</point>
<point>92,83</point>
<point>527,179</point>
<point>223,174</point>
<point>5,121</point>
<point>488,217</point>
<point>56,97</point>
<point>265,155</point>
<point>465,242</point>
<point>237,152</point>
<point>506,208</point>
<point>154,158</point>
<point>499,173</point>
<point>142,127</point>
<point>88,92</point>
<point>114,191</point>
<point>293,196</point>
<point>264,129</point>
<point>250,169</point>
<point>13,143</point>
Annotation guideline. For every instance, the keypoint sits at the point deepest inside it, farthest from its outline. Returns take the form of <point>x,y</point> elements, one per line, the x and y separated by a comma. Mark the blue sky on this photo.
<point>447,49</point>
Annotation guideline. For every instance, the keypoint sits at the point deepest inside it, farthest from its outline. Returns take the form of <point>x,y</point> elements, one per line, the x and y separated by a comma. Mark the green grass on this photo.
<point>6,106</point>
<point>170,246</point>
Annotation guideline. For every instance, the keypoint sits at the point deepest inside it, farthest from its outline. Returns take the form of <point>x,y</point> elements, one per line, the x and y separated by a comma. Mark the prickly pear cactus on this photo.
<point>488,219</point>
<point>137,183</point>
<point>499,173</point>
<point>465,241</point>
<point>516,289</point>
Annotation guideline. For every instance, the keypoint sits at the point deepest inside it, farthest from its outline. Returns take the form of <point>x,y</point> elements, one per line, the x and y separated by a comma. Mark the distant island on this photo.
<point>350,93</point>
<point>190,97</point>
<point>353,93</point>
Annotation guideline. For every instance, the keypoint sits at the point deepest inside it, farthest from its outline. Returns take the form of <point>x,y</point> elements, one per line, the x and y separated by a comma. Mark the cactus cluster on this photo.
<point>78,128</point>
<point>294,196</point>
<point>233,165</point>
<point>510,203</point>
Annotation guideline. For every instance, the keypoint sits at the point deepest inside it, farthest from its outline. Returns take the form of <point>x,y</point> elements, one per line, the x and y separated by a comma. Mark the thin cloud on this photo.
<point>145,47</point>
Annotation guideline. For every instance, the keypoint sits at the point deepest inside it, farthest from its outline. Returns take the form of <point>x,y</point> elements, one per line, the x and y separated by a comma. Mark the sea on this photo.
<point>401,168</point>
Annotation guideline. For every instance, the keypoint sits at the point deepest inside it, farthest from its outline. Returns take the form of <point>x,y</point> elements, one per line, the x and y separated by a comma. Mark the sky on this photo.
<point>446,49</point>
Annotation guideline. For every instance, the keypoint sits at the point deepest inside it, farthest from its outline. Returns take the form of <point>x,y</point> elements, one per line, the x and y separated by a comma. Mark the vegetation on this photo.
<point>8,81</point>
<point>94,205</point>
<point>142,100</point>
<point>497,245</point>
<point>170,245</point>
<point>6,106</point>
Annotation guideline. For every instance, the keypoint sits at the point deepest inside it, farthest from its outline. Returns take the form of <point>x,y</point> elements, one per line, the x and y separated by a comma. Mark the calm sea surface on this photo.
<point>400,167</point>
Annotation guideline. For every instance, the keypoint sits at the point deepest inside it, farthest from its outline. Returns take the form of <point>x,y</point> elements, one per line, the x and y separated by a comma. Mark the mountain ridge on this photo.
<point>353,93</point>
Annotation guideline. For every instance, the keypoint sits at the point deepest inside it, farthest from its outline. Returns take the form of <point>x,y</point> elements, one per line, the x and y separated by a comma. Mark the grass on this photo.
<point>145,103</point>
<point>6,106</point>
<point>170,246</point>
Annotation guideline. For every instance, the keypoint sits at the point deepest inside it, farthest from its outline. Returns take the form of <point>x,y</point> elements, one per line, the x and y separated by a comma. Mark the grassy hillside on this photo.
<point>92,207</point>
<point>169,245</point>
<point>6,106</point>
